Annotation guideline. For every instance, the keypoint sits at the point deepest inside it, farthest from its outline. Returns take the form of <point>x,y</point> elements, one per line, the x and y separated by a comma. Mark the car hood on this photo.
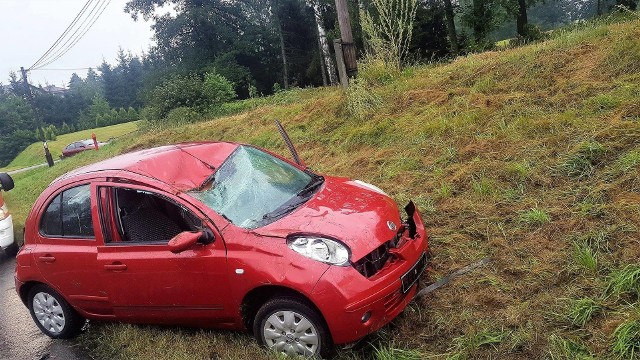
<point>344,210</point>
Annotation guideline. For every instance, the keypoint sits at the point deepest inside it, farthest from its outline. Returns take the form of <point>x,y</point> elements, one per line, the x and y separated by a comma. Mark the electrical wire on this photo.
<point>66,31</point>
<point>92,20</point>
<point>40,69</point>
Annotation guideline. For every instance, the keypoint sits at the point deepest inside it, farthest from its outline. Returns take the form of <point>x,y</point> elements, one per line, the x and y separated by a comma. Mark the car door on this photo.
<point>144,280</point>
<point>66,248</point>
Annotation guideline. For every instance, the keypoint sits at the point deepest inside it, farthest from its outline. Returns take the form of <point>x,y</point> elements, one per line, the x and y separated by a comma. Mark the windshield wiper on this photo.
<point>311,186</point>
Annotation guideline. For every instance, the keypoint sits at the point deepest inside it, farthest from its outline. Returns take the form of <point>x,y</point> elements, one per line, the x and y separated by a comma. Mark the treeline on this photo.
<point>209,52</point>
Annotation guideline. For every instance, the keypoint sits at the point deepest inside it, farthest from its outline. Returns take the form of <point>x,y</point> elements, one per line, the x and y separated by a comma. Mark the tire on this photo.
<point>54,316</point>
<point>12,250</point>
<point>6,182</point>
<point>271,329</point>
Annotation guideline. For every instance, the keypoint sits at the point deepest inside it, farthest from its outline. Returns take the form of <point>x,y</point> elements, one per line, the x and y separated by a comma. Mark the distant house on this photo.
<point>49,89</point>
<point>54,90</point>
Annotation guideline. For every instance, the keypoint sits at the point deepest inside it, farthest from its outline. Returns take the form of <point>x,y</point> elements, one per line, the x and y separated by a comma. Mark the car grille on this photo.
<point>375,260</point>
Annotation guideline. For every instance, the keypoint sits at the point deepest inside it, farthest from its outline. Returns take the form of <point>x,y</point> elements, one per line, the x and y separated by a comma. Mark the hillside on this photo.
<point>529,156</point>
<point>34,154</point>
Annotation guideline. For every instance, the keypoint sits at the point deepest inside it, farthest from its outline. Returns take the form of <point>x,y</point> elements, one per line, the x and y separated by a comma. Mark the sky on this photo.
<point>29,27</point>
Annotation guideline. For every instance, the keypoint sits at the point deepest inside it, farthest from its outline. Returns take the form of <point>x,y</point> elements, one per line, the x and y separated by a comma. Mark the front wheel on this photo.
<point>52,314</point>
<point>290,326</point>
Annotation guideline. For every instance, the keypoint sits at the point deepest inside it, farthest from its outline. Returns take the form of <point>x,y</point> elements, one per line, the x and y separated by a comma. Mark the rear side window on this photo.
<point>69,214</point>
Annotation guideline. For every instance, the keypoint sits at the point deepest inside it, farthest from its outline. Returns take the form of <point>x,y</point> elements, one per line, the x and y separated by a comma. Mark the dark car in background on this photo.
<point>79,146</point>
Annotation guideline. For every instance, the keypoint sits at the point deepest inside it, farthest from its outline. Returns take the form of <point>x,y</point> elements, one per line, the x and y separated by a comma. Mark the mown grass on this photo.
<point>34,153</point>
<point>516,155</point>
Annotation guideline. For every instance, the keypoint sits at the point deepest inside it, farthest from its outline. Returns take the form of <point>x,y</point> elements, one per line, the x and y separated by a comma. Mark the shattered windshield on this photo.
<point>252,188</point>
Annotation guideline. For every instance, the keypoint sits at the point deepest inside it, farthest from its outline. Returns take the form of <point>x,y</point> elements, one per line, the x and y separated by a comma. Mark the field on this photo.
<point>529,156</point>
<point>34,154</point>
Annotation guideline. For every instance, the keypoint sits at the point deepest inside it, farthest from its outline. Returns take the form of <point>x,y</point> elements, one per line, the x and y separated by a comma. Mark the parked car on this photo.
<point>224,235</point>
<point>7,241</point>
<point>79,146</point>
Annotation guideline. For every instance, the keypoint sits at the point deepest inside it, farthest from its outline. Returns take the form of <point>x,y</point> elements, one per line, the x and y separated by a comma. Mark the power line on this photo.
<point>40,69</point>
<point>81,30</point>
<point>93,18</point>
<point>66,31</point>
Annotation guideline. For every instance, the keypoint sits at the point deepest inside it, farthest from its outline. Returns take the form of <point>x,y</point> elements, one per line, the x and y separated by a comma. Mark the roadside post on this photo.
<point>95,141</point>
<point>47,154</point>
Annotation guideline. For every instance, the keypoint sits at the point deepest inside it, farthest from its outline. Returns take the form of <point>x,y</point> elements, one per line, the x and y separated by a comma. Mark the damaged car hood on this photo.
<point>346,210</point>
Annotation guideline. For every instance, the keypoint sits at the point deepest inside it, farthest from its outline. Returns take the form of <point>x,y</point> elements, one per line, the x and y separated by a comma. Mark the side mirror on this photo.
<point>6,182</point>
<point>184,241</point>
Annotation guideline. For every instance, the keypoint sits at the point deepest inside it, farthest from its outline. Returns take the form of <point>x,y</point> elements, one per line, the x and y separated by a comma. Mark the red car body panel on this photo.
<point>207,284</point>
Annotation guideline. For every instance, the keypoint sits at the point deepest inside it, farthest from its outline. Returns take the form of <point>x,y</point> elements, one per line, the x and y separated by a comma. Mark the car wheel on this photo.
<point>11,250</point>
<point>290,326</point>
<point>6,182</point>
<point>52,314</point>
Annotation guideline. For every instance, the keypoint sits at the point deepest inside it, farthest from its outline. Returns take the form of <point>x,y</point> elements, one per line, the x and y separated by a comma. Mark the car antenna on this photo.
<point>287,140</point>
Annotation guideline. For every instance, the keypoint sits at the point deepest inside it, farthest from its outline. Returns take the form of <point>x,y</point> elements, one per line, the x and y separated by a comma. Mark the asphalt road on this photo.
<point>20,338</point>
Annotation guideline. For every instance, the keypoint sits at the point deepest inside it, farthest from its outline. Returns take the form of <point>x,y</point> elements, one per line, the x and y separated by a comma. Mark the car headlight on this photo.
<point>320,249</point>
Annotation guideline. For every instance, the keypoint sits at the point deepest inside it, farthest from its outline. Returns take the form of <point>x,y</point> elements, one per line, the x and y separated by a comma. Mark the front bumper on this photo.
<point>6,232</point>
<point>355,306</point>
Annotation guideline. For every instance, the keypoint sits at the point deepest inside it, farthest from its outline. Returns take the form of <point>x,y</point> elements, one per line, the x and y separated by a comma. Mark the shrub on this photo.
<point>217,90</point>
<point>182,115</point>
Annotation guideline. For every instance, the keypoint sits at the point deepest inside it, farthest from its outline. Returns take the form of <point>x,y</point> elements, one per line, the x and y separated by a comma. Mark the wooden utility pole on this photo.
<point>26,83</point>
<point>348,47</point>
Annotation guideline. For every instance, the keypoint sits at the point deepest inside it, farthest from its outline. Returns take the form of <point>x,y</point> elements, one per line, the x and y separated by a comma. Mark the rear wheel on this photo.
<point>290,326</point>
<point>52,314</point>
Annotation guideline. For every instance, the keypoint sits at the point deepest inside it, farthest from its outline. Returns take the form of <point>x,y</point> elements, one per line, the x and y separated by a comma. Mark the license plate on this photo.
<point>411,276</point>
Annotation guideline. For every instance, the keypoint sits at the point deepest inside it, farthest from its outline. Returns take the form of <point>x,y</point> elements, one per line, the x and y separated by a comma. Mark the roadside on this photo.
<point>30,168</point>
<point>20,339</point>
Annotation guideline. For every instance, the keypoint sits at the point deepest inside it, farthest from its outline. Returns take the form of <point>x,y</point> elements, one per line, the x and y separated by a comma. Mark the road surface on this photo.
<point>20,339</point>
<point>30,168</point>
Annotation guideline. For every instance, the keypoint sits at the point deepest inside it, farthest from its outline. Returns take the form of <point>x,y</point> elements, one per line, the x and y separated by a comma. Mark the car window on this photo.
<point>69,214</point>
<point>71,146</point>
<point>143,217</point>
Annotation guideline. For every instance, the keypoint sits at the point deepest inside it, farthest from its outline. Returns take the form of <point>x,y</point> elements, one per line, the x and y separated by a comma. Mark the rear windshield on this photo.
<point>253,188</point>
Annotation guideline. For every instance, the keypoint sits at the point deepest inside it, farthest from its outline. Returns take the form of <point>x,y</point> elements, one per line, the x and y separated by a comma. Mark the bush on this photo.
<point>217,90</point>
<point>182,115</point>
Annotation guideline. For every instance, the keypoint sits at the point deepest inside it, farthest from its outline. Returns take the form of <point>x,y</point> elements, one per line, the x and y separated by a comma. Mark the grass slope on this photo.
<point>34,154</point>
<point>530,156</point>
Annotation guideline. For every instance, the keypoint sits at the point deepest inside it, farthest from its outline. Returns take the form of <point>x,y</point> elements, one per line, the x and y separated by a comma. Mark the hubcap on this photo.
<point>290,333</point>
<point>48,312</point>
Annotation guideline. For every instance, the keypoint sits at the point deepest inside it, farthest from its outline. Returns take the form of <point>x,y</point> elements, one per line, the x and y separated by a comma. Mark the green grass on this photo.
<point>626,340</point>
<point>580,311</point>
<point>585,257</point>
<point>34,154</point>
<point>535,217</point>
<point>625,281</point>
<point>512,155</point>
<point>568,349</point>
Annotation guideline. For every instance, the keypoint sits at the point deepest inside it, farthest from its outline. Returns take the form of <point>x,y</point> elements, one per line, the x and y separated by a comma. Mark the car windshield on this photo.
<point>252,188</point>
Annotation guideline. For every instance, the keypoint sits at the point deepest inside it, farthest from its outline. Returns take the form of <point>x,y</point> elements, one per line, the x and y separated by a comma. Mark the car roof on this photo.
<point>183,166</point>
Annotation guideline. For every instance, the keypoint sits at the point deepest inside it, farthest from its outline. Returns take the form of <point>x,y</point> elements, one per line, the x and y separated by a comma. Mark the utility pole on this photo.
<point>26,83</point>
<point>348,47</point>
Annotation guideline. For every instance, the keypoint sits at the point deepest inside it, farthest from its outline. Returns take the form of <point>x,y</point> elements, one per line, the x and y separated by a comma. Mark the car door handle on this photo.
<point>116,267</point>
<point>47,259</point>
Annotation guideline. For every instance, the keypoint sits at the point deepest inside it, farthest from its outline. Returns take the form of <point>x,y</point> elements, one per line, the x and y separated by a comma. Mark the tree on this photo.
<point>518,9</point>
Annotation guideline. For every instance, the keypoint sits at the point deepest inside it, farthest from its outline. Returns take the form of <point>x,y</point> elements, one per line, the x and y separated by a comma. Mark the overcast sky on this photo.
<point>29,27</point>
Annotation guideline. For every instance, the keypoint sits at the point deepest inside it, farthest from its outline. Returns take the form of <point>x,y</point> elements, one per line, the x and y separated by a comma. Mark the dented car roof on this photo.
<point>183,166</point>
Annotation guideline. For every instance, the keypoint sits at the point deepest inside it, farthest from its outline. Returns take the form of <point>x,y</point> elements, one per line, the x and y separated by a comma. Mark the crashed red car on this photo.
<point>220,235</point>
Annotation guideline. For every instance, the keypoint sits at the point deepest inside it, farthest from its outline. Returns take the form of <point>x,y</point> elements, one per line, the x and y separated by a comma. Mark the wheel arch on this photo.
<point>25,288</point>
<point>258,296</point>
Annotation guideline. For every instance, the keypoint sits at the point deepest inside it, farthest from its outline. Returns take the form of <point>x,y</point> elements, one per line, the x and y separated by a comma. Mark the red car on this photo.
<point>220,235</point>
<point>79,146</point>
